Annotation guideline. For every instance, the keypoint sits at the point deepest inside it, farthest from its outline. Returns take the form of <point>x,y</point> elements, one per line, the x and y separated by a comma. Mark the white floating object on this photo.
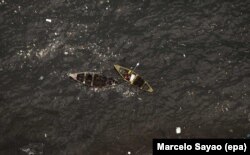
<point>66,53</point>
<point>45,135</point>
<point>41,78</point>
<point>48,20</point>
<point>129,152</point>
<point>184,55</point>
<point>178,130</point>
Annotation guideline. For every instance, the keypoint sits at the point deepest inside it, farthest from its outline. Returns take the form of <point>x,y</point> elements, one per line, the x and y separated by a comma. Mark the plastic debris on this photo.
<point>48,20</point>
<point>41,78</point>
<point>129,152</point>
<point>33,149</point>
<point>178,130</point>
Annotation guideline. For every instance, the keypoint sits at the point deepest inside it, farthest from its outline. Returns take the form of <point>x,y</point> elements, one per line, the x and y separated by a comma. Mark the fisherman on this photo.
<point>129,76</point>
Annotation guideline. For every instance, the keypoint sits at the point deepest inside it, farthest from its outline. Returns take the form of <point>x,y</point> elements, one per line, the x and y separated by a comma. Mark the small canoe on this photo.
<point>133,78</point>
<point>93,79</point>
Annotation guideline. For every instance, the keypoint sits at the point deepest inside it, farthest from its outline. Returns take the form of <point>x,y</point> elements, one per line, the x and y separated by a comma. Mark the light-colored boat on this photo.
<point>133,78</point>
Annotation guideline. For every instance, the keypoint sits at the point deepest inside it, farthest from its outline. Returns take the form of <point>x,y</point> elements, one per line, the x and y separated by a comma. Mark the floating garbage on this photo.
<point>48,20</point>
<point>178,130</point>
<point>248,136</point>
<point>66,53</point>
<point>41,78</point>
<point>33,149</point>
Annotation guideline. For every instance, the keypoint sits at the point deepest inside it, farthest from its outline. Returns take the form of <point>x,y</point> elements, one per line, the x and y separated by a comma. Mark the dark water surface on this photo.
<point>195,54</point>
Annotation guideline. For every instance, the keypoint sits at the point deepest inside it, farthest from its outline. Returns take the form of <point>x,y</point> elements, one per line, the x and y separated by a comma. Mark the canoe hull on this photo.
<point>93,79</point>
<point>137,81</point>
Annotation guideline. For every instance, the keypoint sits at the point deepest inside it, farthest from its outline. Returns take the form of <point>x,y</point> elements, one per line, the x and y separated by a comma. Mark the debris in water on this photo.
<point>248,136</point>
<point>178,130</point>
<point>33,149</point>
<point>139,98</point>
<point>48,20</point>
<point>66,53</point>
<point>45,135</point>
<point>184,55</point>
<point>28,151</point>
<point>41,78</point>
<point>129,152</point>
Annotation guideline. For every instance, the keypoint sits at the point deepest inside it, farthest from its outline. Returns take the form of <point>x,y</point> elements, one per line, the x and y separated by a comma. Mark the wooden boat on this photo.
<point>133,78</point>
<point>93,79</point>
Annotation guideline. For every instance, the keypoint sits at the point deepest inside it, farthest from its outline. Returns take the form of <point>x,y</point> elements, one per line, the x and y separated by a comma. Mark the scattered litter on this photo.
<point>2,2</point>
<point>48,20</point>
<point>41,78</point>
<point>184,55</point>
<point>66,53</point>
<point>28,151</point>
<point>45,135</point>
<point>248,136</point>
<point>178,130</point>
<point>33,149</point>
<point>129,152</point>
<point>139,98</point>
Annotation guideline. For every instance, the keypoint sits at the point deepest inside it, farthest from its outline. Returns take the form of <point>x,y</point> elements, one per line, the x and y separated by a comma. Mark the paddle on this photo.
<point>136,66</point>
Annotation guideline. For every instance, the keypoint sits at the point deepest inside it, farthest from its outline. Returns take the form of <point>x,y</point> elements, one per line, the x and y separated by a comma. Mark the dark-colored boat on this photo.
<point>93,79</point>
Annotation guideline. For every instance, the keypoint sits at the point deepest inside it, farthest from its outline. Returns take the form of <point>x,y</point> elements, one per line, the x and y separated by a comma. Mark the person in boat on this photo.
<point>129,76</point>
